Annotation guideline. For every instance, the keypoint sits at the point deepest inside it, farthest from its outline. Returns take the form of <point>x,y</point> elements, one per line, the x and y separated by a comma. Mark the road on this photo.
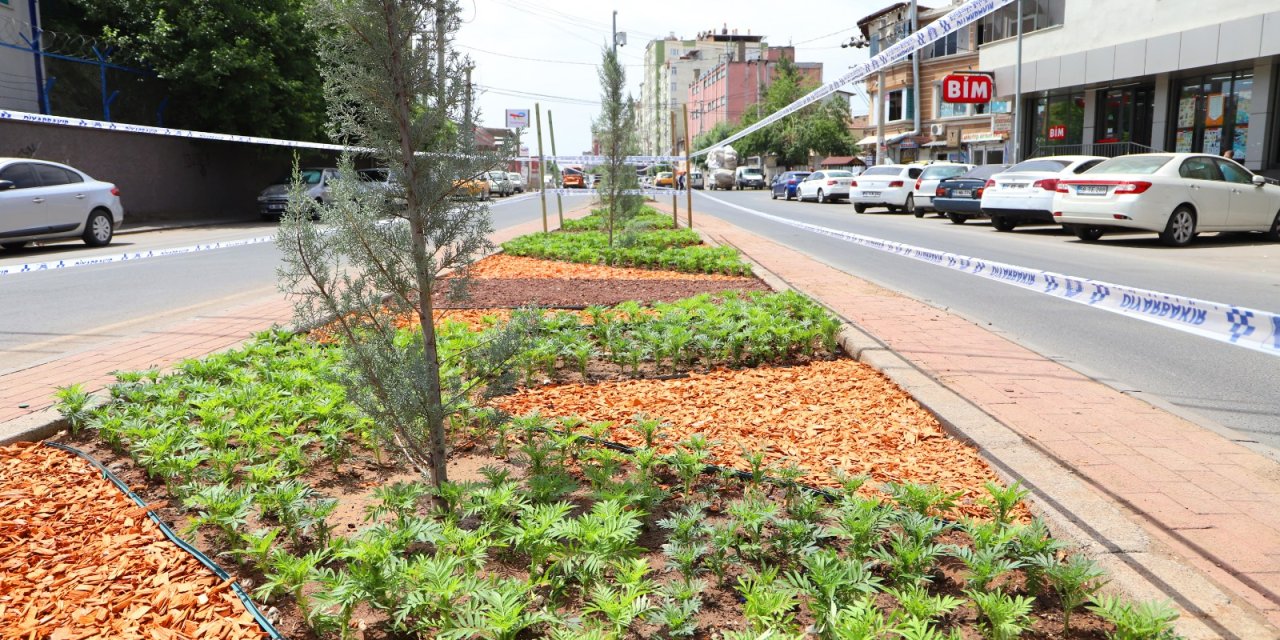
<point>1205,380</point>
<point>49,314</point>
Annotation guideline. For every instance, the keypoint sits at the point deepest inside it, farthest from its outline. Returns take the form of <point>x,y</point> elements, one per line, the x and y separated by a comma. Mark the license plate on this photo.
<point>275,206</point>
<point>1015,185</point>
<point>871,194</point>
<point>962,193</point>
<point>1091,190</point>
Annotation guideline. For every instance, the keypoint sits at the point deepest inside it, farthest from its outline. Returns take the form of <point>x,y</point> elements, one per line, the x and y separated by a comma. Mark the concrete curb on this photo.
<point>1137,565</point>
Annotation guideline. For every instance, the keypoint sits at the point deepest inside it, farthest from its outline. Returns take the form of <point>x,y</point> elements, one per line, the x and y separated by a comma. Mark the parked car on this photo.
<point>1024,193</point>
<point>960,198</point>
<point>45,201</point>
<point>825,186</point>
<point>573,181</point>
<point>749,178</point>
<point>927,184</point>
<point>664,179</point>
<point>499,184</point>
<point>1177,195</point>
<point>697,181</point>
<point>274,200</point>
<point>517,181</point>
<point>476,187</point>
<point>785,184</point>
<point>887,185</point>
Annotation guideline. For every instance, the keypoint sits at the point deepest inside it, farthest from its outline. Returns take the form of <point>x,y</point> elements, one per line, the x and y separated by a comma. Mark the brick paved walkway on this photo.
<point>1211,500</point>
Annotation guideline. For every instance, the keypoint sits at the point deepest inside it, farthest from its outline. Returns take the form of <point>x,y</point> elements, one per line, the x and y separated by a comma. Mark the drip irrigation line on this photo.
<point>173,537</point>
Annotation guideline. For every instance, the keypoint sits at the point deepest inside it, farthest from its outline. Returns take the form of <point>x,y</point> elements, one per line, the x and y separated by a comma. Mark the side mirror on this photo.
<point>6,185</point>
<point>1258,181</point>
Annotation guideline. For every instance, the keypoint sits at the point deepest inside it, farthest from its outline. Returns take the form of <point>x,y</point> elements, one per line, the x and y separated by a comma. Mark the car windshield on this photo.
<point>938,172</point>
<point>883,171</point>
<point>1051,166</point>
<point>985,171</point>
<point>751,172</point>
<point>839,174</point>
<point>1142,165</point>
<point>309,176</point>
<point>373,175</point>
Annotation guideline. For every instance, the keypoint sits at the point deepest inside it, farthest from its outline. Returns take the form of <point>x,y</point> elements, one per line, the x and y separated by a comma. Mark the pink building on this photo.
<point>726,91</point>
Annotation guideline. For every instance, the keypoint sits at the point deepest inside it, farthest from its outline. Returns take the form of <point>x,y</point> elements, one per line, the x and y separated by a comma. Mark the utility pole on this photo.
<point>542,165</point>
<point>675,195</point>
<point>688,168</point>
<point>615,33</point>
<point>559,203</point>
<point>470,128</point>
<point>1017,95</point>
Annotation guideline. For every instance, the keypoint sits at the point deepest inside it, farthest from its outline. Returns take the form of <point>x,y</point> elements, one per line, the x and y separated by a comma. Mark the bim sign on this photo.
<point>1058,132</point>
<point>972,89</point>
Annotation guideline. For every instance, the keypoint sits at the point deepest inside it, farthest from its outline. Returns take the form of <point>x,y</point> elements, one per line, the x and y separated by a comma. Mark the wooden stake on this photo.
<point>551,126</point>
<point>675,197</point>
<point>542,165</point>
<point>688,168</point>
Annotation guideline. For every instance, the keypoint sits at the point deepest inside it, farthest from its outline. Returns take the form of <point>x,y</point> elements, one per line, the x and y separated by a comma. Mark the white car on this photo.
<point>927,184</point>
<point>1024,193</point>
<point>825,186</point>
<point>517,181</point>
<point>886,185</point>
<point>48,201</point>
<point>1177,195</point>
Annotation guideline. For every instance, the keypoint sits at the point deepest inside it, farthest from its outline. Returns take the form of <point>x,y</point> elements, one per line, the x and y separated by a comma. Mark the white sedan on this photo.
<point>49,201</point>
<point>825,186</point>
<point>888,185</point>
<point>1177,195</point>
<point>1024,193</point>
<point>927,185</point>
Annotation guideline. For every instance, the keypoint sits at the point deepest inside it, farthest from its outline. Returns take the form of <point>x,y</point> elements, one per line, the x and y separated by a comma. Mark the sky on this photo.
<point>548,52</point>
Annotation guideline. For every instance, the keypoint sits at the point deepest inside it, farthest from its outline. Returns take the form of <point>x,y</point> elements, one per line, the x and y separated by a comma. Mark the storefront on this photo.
<point>984,147</point>
<point>1055,118</point>
<point>1211,114</point>
<point>1124,114</point>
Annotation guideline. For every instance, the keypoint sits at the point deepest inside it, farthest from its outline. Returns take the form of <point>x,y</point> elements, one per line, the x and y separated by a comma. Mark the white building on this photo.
<point>1110,77</point>
<point>670,66</point>
<point>19,70</point>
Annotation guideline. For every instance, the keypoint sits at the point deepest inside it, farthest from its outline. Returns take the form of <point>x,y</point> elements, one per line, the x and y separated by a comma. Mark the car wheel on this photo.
<point>1001,223</point>
<point>890,208</point>
<point>773,195</point>
<point>1272,235</point>
<point>98,230</point>
<point>787,196</point>
<point>918,212</point>
<point>822,198</point>
<point>910,205</point>
<point>1086,233</point>
<point>956,218</point>
<point>1181,228</point>
<point>13,246</point>
<point>859,208</point>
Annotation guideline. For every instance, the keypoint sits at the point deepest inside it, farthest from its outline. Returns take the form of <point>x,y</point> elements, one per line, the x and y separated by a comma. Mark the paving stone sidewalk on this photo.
<point>1211,500</point>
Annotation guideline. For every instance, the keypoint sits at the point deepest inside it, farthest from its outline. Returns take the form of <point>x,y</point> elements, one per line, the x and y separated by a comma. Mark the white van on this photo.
<point>749,177</point>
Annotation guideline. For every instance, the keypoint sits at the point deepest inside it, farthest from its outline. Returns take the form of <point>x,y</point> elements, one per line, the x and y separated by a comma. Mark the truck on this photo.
<point>721,165</point>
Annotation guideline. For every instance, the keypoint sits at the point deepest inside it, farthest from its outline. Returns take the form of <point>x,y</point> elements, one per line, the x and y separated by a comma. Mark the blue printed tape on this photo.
<point>55,265</point>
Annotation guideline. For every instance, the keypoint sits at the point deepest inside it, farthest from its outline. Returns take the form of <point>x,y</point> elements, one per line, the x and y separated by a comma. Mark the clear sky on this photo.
<point>553,48</point>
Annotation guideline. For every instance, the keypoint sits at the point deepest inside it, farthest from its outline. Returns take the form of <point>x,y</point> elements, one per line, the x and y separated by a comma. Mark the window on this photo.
<point>1143,165</point>
<point>1212,114</point>
<point>1200,169</point>
<point>898,105</point>
<point>956,110</point>
<point>1234,172</point>
<point>1036,15</point>
<point>51,176</point>
<point>956,42</point>
<point>21,175</point>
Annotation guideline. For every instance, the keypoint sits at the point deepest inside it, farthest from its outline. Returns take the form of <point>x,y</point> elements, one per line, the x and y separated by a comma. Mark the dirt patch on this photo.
<point>542,292</point>
<point>506,266</point>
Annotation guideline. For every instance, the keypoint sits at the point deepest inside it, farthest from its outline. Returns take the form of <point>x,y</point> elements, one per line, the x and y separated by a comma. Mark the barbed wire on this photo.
<point>73,45</point>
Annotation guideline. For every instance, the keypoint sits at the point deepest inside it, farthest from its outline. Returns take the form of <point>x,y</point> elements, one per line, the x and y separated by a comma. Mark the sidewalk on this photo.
<point>1213,502</point>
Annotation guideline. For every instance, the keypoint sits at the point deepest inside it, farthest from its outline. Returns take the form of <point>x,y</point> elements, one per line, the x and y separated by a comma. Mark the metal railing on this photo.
<point>1104,149</point>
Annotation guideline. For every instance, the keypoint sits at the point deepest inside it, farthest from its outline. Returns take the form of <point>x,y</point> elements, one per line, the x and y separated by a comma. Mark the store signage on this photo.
<point>967,88</point>
<point>982,136</point>
<point>1058,132</point>
<point>517,118</point>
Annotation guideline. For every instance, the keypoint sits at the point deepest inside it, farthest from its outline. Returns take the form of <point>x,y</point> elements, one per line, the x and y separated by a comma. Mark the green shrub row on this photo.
<point>678,250</point>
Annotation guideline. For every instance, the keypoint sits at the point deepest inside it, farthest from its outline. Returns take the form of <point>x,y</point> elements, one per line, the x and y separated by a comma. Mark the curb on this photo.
<point>1137,565</point>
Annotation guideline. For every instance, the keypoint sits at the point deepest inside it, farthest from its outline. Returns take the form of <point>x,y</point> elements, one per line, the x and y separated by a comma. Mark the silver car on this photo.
<point>46,201</point>
<point>499,184</point>
<point>274,200</point>
<point>517,181</point>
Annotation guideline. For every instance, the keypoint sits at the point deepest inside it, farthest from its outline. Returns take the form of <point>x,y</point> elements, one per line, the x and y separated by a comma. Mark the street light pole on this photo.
<point>615,32</point>
<point>1017,94</point>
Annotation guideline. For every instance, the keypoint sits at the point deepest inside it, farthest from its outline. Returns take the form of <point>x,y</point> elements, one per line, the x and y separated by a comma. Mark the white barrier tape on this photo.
<point>1240,326</point>
<point>55,265</point>
<point>625,192</point>
<point>597,160</point>
<point>940,28</point>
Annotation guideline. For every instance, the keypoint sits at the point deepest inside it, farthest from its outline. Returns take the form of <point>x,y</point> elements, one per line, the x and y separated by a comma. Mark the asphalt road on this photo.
<point>45,315</point>
<point>1205,380</point>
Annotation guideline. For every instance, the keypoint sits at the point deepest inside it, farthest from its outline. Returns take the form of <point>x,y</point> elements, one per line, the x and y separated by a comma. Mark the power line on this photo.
<point>515,57</point>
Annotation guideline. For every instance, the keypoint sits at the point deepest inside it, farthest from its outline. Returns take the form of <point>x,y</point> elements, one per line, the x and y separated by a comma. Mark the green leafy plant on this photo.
<point>984,566</point>
<point>768,604</point>
<point>926,500</point>
<point>1003,617</point>
<point>1075,580</point>
<point>73,406</point>
<point>917,603</point>
<point>1143,621</point>
<point>1002,500</point>
<point>497,610</point>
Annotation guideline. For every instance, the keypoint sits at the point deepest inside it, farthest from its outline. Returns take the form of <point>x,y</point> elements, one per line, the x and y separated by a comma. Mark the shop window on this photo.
<point>1055,119</point>
<point>1124,115</point>
<point>1036,15</point>
<point>1212,114</point>
<point>956,110</point>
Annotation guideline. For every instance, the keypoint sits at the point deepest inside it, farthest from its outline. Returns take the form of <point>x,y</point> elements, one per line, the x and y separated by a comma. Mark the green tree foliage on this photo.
<point>616,131</point>
<point>396,86</point>
<point>233,66</point>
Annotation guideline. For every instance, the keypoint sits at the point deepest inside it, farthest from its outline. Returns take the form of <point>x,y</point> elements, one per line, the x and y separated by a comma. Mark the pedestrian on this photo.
<point>681,185</point>
<point>1229,154</point>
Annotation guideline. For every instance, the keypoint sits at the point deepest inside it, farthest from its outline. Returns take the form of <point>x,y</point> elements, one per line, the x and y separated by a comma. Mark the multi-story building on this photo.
<point>1177,75</point>
<point>975,133</point>
<point>670,65</point>
<point>724,92</point>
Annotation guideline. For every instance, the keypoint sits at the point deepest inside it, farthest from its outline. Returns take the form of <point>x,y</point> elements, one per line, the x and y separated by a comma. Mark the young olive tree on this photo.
<point>396,90</point>
<point>615,129</point>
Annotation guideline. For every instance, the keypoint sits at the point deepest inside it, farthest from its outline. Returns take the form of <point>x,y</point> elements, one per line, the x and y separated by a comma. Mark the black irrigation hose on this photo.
<point>173,537</point>
<point>711,469</point>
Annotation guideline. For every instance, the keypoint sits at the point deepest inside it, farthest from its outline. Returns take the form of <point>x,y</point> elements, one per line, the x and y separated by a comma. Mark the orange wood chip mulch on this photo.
<point>504,266</point>
<point>836,414</point>
<point>78,559</point>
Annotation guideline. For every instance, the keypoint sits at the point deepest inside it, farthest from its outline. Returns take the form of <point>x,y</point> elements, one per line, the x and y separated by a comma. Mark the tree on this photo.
<point>715,134</point>
<point>616,131</point>
<point>821,128</point>
<point>233,66</point>
<point>395,86</point>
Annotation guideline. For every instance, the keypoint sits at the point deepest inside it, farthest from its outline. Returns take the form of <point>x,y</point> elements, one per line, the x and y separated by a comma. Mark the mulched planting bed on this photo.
<point>78,559</point>
<point>486,293</point>
<point>504,266</point>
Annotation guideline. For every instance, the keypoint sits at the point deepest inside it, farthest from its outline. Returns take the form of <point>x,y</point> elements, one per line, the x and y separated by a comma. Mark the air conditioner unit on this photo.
<point>938,129</point>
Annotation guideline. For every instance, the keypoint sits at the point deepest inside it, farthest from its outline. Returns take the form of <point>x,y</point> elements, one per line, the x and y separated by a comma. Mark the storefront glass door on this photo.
<point>1212,114</point>
<point>1056,119</point>
<point>1124,115</point>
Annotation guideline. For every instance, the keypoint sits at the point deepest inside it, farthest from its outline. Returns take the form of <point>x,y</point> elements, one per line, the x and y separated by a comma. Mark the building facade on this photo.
<point>972,133</point>
<point>729,89</point>
<point>20,71</point>
<point>1102,76</point>
<point>670,65</point>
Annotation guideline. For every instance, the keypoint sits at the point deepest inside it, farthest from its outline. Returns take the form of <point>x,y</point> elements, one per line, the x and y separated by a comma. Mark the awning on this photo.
<point>888,139</point>
<point>935,143</point>
<point>842,161</point>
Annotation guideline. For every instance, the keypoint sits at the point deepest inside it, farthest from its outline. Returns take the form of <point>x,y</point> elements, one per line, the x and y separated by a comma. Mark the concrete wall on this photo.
<point>17,68</point>
<point>162,178</point>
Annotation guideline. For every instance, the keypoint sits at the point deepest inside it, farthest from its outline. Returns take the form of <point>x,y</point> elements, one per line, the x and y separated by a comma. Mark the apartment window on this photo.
<point>956,42</point>
<point>898,105</point>
<point>1036,15</point>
